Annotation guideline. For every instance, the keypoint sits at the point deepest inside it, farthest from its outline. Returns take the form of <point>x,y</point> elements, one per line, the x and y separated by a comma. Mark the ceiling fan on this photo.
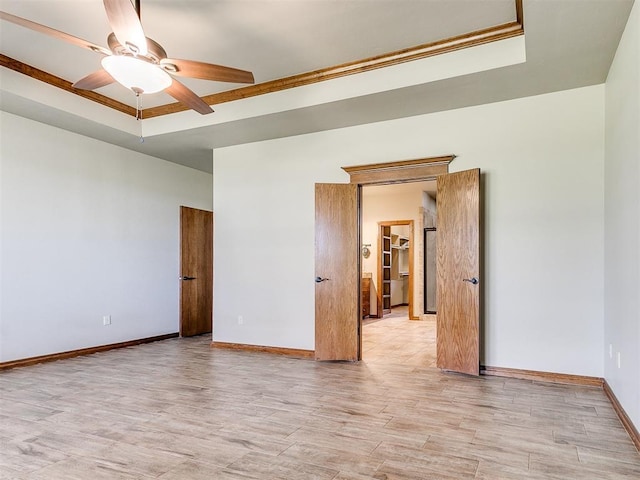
<point>138,62</point>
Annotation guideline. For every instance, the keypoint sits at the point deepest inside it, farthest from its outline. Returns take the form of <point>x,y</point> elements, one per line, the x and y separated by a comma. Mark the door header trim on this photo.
<point>399,172</point>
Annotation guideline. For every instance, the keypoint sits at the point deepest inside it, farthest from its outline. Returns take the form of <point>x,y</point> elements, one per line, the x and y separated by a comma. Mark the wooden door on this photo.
<point>337,272</point>
<point>458,272</point>
<point>196,271</point>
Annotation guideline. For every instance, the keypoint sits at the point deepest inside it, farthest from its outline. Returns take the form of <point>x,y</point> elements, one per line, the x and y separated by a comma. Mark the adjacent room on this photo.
<point>323,239</point>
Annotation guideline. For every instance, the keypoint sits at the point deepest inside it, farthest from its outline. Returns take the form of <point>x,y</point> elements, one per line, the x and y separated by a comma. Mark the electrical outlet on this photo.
<point>240,320</point>
<point>618,359</point>
<point>106,320</point>
<point>611,350</point>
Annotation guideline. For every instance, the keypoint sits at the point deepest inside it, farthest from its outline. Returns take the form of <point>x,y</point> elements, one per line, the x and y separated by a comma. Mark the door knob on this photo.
<point>320,279</point>
<point>473,280</point>
<point>187,278</point>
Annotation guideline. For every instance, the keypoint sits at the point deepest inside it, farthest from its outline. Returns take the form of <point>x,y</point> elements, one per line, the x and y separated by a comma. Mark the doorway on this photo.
<point>459,284</point>
<point>395,279</point>
<point>395,328</point>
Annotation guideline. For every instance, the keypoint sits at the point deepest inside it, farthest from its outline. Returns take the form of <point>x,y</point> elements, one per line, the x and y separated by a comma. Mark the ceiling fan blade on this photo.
<point>94,80</point>
<point>23,22</point>
<point>205,71</point>
<point>181,93</point>
<point>126,25</point>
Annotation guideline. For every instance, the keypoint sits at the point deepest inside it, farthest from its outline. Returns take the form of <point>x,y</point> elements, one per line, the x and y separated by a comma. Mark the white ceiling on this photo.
<point>569,44</point>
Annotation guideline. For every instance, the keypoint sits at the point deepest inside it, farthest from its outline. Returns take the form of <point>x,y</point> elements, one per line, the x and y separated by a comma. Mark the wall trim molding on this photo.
<point>24,362</point>
<point>289,352</point>
<point>534,375</point>
<point>459,42</point>
<point>622,415</point>
<point>61,83</point>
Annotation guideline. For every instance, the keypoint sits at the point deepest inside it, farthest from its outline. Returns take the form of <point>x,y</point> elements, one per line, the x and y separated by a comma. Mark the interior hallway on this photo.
<point>179,410</point>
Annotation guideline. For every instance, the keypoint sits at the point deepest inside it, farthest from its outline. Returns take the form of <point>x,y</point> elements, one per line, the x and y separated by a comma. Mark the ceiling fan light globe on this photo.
<point>136,74</point>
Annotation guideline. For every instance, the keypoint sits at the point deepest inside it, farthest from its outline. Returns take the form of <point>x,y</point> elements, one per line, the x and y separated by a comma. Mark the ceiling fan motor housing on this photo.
<point>155,52</point>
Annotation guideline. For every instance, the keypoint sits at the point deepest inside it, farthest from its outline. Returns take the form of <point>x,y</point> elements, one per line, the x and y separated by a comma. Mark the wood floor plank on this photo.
<point>19,457</point>
<point>84,468</point>
<point>604,458</point>
<point>193,470</point>
<point>329,439</point>
<point>498,457</point>
<point>393,470</point>
<point>177,409</point>
<point>337,458</point>
<point>131,459</point>
<point>440,463</point>
<point>386,434</point>
<point>281,468</point>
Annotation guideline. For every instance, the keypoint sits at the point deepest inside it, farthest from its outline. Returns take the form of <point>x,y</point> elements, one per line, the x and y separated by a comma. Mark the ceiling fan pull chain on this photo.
<point>139,113</point>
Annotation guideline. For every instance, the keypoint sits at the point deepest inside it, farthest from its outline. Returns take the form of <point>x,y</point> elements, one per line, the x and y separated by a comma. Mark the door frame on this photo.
<point>404,171</point>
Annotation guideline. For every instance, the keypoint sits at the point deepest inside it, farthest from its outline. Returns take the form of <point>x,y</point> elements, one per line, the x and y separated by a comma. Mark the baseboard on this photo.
<point>82,351</point>
<point>622,415</point>
<point>541,376</point>
<point>289,352</point>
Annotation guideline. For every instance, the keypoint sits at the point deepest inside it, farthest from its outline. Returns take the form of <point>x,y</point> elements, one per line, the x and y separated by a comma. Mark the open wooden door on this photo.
<point>196,271</point>
<point>458,275</point>
<point>337,272</point>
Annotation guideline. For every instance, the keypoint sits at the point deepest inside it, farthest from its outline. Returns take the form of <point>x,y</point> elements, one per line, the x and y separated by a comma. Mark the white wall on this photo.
<point>87,229</point>
<point>622,221</point>
<point>542,159</point>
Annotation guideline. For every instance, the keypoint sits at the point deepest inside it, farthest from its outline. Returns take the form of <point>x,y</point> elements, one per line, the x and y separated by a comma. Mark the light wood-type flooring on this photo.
<point>394,339</point>
<point>179,410</point>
